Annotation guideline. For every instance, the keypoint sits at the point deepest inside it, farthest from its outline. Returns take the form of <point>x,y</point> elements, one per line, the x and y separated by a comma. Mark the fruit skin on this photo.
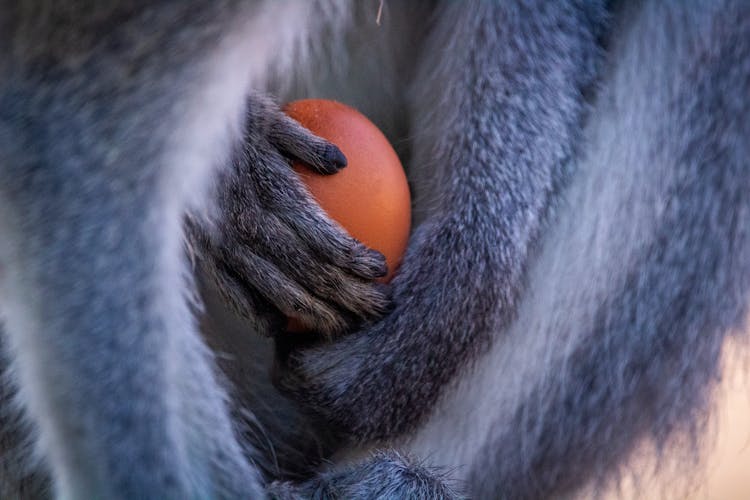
<point>370,197</point>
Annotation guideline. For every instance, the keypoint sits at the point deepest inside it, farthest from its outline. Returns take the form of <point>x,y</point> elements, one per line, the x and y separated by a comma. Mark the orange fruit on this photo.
<point>370,196</point>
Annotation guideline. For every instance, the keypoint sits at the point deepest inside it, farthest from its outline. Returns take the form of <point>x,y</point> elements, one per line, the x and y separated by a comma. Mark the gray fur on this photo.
<point>92,202</point>
<point>631,299</point>
<point>21,474</point>
<point>502,128</point>
<point>309,269</point>
<point>112,119</point>
<point>645,363</point>
<point>383,476</point>
<point>582,250</point>
<point>109,365</point>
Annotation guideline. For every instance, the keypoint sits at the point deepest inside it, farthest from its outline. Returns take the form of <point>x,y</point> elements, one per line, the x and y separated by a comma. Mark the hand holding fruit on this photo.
<point>273,252</point>
<point>370,197</point>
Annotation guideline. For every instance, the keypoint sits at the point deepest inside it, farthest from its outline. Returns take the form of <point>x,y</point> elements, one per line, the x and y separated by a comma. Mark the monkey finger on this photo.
<point>336,286</point>
<point>333,285</point>
<point>244,301</point>
<point>292,139</point>
<point>364,300</point>
<point>287,296</point>
<point>330,241</point>
<point>315,230</point>
<point>214,273</point>
<point>284,196</point>
<point>295,141</point>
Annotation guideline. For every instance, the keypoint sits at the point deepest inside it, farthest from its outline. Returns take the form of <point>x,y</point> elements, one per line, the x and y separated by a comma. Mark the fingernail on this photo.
<point>335,156</point>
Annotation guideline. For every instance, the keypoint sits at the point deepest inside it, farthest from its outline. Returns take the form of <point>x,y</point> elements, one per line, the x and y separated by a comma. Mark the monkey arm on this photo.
<point>666,165</point>
<point>383,475</point>
<point>499,111</point>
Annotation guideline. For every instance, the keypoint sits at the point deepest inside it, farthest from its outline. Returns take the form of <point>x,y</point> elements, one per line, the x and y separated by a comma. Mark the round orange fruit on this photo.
<point>370,196</point>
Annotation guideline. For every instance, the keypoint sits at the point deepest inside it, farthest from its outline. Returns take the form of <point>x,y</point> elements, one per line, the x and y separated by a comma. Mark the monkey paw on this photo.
<point>272,249</point>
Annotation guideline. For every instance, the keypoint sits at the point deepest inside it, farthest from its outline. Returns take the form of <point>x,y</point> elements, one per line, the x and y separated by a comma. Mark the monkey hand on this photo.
<point>273,253</point>
<point>380,381</point>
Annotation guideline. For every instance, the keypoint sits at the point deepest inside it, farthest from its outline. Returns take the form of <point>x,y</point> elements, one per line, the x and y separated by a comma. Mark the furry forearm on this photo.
<point>501,131</point>
<point>644,365</point>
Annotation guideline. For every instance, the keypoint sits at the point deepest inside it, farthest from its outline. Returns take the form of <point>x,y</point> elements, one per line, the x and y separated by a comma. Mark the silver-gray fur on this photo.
<point>582,250</point>
<point>637,283</point>
<point>497,136</point>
